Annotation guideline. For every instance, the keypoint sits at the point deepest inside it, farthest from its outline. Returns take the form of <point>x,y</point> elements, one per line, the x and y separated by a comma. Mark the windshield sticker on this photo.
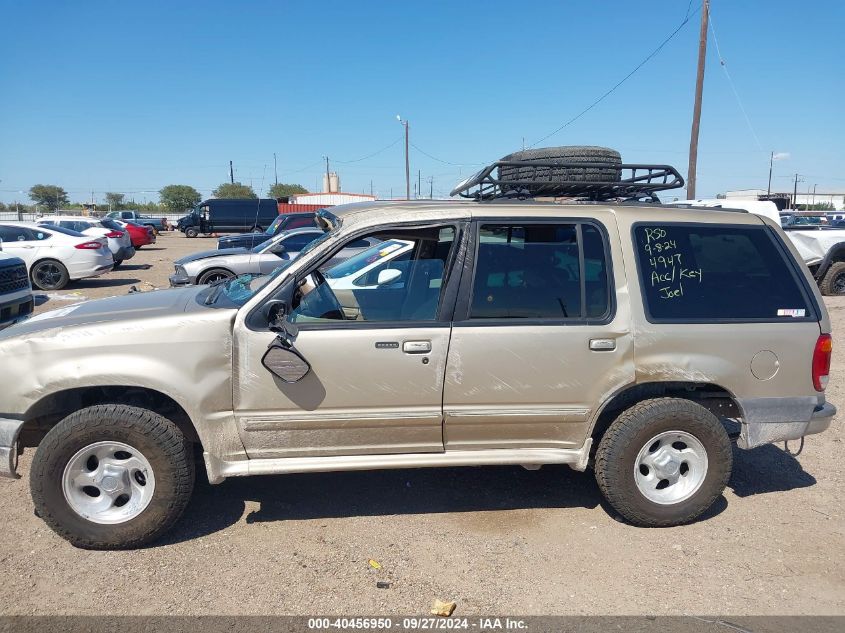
<point>387,250</point>
<point>792,312</point>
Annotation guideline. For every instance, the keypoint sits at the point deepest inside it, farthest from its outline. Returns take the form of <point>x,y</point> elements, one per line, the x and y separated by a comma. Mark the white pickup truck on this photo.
<point>822,248</point>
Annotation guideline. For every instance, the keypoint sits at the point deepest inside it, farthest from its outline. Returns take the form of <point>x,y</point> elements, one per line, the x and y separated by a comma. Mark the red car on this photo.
<point>139,234</point>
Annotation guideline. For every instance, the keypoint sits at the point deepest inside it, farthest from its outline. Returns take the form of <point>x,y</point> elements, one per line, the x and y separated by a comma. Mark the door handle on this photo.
<point>602,344</point>
<point>416,347</point>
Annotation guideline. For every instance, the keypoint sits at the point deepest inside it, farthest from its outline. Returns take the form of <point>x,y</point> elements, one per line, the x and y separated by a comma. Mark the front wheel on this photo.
<point>663,462</point>
<point>191,231</point>
<point>112,477</point>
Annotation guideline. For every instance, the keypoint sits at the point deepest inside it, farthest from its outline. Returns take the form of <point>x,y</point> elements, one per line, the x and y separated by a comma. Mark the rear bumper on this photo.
<point>95,267</point>
<point>10,429</point>
<point>768,420</point>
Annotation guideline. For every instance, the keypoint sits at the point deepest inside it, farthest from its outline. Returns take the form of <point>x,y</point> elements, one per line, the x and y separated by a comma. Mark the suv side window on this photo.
<point>540,271</point>
<point>416,264</point>
<point>717,272</point>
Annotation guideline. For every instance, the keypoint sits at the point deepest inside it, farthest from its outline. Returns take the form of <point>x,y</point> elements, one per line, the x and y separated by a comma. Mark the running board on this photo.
<point>577,459</point>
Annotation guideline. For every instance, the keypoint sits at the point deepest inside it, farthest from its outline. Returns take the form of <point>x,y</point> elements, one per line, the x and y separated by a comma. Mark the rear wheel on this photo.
<point>663,462</point>
<point>257,229</point>
<point>191,231</point>
<point>215,274</point>
<point>49,274</point>
<point>112,477</point>
<point>833,282</point>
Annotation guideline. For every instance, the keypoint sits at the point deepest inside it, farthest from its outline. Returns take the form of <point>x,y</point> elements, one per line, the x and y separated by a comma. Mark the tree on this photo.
<point>50,196</point>
<point>177,198</point>
<point>114,200</point>
<point>281,190</point>
<point>233,190</point>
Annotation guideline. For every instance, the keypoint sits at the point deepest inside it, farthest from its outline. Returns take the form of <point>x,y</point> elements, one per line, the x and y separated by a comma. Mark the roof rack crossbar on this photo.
<point>546,178</point>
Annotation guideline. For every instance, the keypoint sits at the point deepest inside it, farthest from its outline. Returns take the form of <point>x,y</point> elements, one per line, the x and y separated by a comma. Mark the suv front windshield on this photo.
<point>271,230</point>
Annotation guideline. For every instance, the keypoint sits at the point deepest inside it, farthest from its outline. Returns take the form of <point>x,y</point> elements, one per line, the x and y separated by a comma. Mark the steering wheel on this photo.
<point>327,302</point>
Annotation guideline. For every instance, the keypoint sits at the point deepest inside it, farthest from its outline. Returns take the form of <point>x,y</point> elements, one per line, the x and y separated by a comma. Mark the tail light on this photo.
<point>821,361</point>
<point>115,234</point>
<point>89,246</point>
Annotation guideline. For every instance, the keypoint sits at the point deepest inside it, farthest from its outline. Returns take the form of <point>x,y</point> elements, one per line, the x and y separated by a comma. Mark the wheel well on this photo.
<point>50,410</point>
<point>714,398</point>
<point>214,269</point>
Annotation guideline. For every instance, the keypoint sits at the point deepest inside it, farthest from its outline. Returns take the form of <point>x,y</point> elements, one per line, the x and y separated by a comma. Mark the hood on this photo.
<point>134,307</point>
<point>206,254</point>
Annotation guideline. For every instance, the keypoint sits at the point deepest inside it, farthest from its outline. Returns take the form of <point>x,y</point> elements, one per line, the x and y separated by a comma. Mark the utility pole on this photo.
<point>795,192</point>
<point>231,173</point>
<point>328,177</point>
<point>371,187</point>
<point>814,194</point>
<point>696,113</point>
<point>771,162</point>
<point>407,161</point>
<point>419,183</point>
<point>275,170</point>
<point>431,187</point>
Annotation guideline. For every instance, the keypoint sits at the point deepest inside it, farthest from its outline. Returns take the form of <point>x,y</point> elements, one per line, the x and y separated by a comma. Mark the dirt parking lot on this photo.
<point>495,540</point>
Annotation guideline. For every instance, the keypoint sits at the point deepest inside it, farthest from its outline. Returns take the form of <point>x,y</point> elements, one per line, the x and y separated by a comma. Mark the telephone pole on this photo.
<point>407,161</point>
<point>431,187</point>
<point>771,162</point>
<point>419,183</point>
<point>795,192</point>
<point>231,173</point>
<point>328,177</point>
<point>696,113</point>
<point>275,171</point>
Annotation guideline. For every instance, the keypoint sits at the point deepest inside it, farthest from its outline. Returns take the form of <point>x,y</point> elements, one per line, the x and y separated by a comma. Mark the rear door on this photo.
<point>541,335</point>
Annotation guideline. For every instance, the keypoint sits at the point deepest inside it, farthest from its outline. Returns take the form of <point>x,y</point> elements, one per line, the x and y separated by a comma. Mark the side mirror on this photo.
<point>285,363</point>
<point>388,276</point>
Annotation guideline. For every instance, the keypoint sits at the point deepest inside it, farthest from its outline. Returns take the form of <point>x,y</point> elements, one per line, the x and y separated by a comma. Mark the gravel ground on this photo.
<point>495,540</point>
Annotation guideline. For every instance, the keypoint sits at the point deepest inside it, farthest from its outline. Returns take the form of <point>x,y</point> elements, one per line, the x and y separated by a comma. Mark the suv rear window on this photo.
<point>714,272</point>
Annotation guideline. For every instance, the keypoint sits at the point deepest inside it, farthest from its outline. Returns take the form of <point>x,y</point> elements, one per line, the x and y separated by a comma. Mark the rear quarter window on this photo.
<point>715,272</point>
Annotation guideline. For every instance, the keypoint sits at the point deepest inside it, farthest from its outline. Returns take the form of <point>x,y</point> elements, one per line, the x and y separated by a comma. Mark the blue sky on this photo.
<point>111,96</point>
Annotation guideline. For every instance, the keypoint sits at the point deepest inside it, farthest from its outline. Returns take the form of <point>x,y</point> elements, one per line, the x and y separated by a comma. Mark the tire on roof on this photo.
<point>564,154</point>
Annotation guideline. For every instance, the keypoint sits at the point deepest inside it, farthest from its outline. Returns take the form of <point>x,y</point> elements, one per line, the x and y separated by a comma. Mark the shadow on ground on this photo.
<point>767,469</point>
<point>381,493</point>
<point>442,490</point>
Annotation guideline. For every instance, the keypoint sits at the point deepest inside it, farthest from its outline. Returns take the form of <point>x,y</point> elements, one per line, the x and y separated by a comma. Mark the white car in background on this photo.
<point>120,243</point>
<point>54,255</point>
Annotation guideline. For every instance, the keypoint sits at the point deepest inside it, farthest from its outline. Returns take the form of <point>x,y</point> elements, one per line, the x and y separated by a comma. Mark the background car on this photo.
<point>284,222</point>
<point>210,266</point>
<point>55,255</point>
<point>119,242</point>
<point>139,234</point>
<point>16,303</point>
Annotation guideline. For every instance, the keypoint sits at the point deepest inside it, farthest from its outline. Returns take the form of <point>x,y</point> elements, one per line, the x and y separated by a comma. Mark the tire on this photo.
<point>49,274</point>
<point>635,433</point>
<point>213,275</point>
<point>191,231</point>
<point>833,282</point>
<point>155,438</point>
<point>117,263</point>
<point>256,229</point>
<point>569,154</point>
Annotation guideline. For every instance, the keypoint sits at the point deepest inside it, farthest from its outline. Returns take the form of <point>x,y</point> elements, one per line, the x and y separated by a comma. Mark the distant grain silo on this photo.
<point>331,183</point>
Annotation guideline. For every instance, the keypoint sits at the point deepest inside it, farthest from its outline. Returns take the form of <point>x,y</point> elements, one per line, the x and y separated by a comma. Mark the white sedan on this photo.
<point>55,255</point>
<point>120,243</point>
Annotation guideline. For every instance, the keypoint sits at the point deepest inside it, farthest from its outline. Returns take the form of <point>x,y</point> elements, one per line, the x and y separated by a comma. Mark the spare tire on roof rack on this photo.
<point>607,166</point>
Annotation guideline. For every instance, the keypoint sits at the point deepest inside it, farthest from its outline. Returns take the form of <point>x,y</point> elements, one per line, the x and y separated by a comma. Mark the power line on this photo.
<point>724,66</point>
<point>440,160</point>
<point>623,80</point>
<point>358,160</point>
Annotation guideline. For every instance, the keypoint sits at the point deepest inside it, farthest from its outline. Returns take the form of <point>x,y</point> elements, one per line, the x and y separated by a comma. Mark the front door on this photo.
<point>540,338</point>
<point>376,379</point>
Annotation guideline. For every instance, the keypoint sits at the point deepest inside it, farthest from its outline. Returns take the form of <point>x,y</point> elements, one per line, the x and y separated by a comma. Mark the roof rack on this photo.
<point>555,178</point>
